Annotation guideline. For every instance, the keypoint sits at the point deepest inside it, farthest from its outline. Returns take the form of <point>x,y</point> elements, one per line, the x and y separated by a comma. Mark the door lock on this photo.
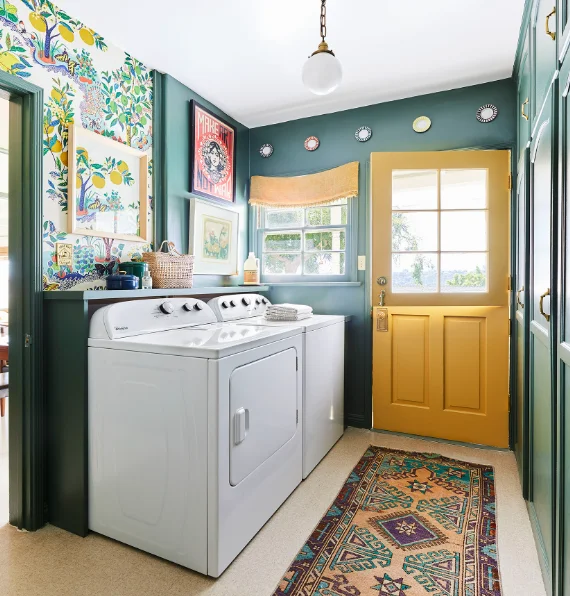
<point>381,281</point>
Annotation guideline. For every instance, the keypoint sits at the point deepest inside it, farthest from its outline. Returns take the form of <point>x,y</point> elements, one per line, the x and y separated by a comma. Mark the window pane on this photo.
<point>414,273</point>
<point>283,218</point>
<point>414,231</point>
<point>463,230</point>
<point>464,272</point>
<point>282,264</point>
<point>324,263</point>
<point>327,216</point>
<point>463,189</point>
<point>4,172</point>
<point>329,240</point>
<point>282,242</point>
<point>414,189</point>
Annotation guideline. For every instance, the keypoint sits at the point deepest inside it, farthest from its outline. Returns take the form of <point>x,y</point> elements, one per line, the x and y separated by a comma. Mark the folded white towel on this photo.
<point>287,317</point>
<point>295,309</point>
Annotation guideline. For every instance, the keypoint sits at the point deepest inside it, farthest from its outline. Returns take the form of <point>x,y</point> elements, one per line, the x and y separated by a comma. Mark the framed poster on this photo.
<point>212,155</point>
<point>107,187</point>
<point>213,238</point>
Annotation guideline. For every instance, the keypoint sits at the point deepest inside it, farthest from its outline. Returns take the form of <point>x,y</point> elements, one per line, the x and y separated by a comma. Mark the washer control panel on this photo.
<point>135,317</point>
<point>238,306</point>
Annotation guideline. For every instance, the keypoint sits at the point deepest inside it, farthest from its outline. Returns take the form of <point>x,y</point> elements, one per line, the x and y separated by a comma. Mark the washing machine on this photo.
<point>323,369</point>
<point>195,438</point>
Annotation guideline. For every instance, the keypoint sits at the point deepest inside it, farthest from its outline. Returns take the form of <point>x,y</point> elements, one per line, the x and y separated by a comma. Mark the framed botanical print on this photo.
<point>213,238</point>
<point>107,187</point>
<point>212,154</point>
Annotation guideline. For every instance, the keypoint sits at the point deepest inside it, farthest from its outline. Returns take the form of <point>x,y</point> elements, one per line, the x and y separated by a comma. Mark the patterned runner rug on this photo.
<point>403,524</point>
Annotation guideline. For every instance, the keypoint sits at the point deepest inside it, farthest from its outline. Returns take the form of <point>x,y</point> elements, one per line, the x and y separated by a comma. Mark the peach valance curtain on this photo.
<point>305,191</point>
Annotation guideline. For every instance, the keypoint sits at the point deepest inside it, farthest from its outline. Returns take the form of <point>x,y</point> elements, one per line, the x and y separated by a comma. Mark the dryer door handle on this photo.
<point>241,424</point>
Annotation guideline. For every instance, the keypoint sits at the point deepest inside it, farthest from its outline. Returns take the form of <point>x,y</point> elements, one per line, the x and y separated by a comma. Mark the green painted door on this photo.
<point>544,50</point>
<point>524,103</point>
<point>521,284</point>
<point>563,24</point>
<point>539,311</point>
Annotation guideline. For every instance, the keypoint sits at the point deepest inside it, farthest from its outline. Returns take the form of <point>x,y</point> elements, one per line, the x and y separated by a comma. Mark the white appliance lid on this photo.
<point>210,341</point>
<point>309,324</point>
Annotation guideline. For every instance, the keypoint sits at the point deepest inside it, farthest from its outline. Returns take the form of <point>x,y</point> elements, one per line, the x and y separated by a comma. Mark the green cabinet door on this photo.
<point>521,284</point>
<point>543,51</point>
<point>524,103</point>
<point>539,311</point>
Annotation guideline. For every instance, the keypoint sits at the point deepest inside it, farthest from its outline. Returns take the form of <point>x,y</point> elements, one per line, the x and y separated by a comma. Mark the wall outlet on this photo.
<point>362,263</point>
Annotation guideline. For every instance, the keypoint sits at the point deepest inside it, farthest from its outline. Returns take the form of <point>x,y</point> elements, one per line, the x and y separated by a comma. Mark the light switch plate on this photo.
<point>64,254</point>
<point>362,263</point>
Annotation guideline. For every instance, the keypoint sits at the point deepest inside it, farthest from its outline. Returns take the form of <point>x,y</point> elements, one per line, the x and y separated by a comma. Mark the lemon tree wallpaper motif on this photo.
<point>90,84</point>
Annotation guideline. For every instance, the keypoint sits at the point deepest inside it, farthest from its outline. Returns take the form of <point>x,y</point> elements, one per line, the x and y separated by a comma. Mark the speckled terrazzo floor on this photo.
<point>53,562</point>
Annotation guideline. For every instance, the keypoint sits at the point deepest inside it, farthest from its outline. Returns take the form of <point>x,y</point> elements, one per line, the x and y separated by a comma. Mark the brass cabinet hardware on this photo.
<point>524,103</point>
<point>548,31</point>
<point>541,304</point>
<point>519,297</point>
<point>381,298</point>
<point>381,319</point>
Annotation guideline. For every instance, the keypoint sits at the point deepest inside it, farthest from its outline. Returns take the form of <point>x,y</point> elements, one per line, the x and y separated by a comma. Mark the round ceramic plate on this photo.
<point>422,124</point>
<point>266,150</point>
<point>363,134</point>
<point>312,143</point>
<point>487,113</point>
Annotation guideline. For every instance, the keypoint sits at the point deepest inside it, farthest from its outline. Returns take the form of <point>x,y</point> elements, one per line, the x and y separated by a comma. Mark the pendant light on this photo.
<point>322,72</point>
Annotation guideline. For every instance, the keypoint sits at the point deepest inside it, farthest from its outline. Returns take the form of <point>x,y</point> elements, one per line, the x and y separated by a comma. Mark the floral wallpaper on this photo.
<point>86,82</point>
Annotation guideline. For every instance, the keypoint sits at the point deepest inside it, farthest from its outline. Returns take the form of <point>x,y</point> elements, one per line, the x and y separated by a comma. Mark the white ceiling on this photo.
<point>246,56</point>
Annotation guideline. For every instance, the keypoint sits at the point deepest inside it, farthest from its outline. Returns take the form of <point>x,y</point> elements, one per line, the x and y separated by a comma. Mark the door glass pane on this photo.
<point>282,264</point>
<point>414,231</point>
<point>464,272</point>
<point>284,218</point>
<point>463,189</point>
<point>464,230</point>
<point>414,189</point>
<point>414,272</point>
<point>324,263</point>
<point>329,240</point>
<point>4,173</point>
<point>282,242</point>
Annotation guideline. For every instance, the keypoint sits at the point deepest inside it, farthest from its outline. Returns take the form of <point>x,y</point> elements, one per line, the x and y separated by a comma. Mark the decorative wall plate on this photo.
<point>312,143</point>
<point>487,113</point>
<point>422,124</point>
<point>363,134</point>
<point>266,150</point>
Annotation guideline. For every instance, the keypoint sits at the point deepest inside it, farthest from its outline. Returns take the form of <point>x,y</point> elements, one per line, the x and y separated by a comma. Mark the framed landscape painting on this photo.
<point>212,155</point>
<point>213,238</point>
<point>107,188</point>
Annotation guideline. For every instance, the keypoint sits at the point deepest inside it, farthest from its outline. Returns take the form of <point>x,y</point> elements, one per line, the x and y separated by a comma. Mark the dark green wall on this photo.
<point>454,126</point>
<point>175,177</point>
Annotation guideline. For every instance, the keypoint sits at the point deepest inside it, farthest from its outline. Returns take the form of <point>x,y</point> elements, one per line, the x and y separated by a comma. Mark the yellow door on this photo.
<point>440,249</point>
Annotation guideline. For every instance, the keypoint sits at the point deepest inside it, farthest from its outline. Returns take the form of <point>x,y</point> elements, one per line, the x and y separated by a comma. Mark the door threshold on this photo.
<point>446,441</point>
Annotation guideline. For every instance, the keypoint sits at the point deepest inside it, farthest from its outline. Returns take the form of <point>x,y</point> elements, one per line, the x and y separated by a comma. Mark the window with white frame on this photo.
<point>306,243</point>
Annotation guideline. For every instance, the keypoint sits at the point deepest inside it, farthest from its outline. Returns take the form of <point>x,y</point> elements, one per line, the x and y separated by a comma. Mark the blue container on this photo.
<point>123,281</point>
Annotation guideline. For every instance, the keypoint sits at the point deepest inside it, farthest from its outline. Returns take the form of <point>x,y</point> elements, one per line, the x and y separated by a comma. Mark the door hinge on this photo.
<point>510,182</point>
<point>297,363</point>
<point>27,340</point>
<point>297,416</point>
<point>509,283</point>
<point>510,326</point>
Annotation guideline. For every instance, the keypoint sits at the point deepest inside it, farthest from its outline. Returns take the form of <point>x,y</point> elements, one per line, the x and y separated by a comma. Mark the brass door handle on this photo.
<point>519,297</point>
<point>541,304</point>
<point>548,31</point>
<point>524,103</point>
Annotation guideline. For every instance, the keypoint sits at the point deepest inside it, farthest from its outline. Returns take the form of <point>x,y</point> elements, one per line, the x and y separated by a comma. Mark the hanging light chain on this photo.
<point>323,19</point>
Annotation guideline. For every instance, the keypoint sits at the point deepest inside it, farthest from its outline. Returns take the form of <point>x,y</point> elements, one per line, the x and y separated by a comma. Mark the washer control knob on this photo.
<point>264,300</point>
<point>198,306</point>
<point>167,308</point>
<point>225,304</point>
<point>187,306</point>
<point>232,302</point>
<point>246,301</point>
<point>257,301</point>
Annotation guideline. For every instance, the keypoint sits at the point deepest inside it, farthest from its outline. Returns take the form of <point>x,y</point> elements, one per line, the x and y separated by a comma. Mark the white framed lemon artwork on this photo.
<point>107,187</point>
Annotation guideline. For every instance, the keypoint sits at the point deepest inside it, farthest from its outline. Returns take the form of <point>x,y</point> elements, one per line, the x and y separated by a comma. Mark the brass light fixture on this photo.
<point>322,72</point>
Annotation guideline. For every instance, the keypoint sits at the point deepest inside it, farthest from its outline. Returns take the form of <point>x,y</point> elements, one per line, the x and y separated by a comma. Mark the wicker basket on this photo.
<point>170,269</point>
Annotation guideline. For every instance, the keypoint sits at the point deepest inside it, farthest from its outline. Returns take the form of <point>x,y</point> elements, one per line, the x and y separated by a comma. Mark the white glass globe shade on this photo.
<point>322,73</point>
